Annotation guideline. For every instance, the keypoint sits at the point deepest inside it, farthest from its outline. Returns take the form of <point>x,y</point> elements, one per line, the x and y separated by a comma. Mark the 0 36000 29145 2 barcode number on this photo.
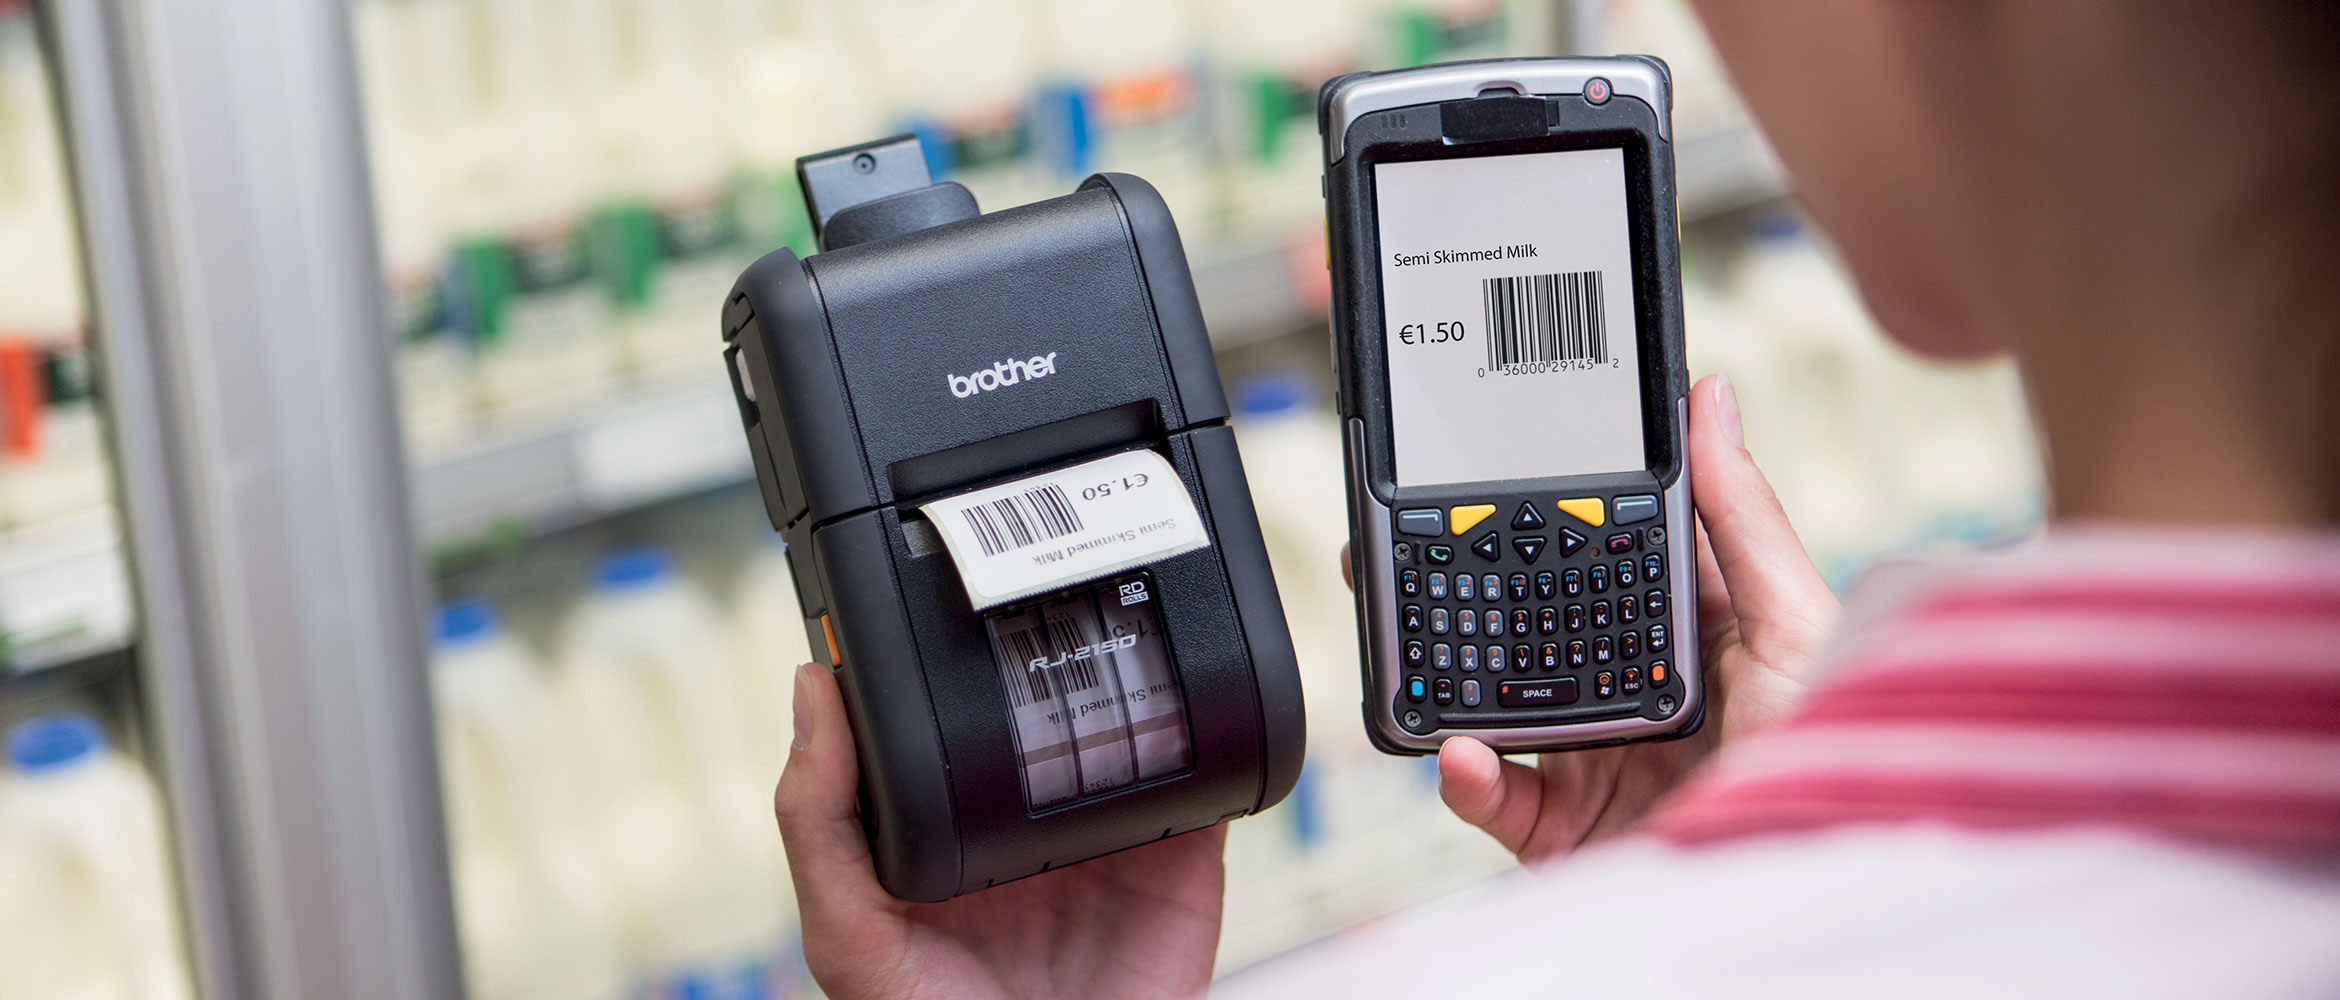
<point>1028,518</point>
<point>1545,322</point>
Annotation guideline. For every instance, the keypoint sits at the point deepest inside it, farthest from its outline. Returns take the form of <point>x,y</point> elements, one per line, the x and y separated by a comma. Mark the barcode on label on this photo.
<point>1012,522</point>
<point>1084,522</point>
<point>1542,318</point>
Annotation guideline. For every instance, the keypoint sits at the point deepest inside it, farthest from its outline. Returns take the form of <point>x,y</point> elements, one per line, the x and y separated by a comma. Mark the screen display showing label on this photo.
<point>1507,293</point>
<point>1093,696</point>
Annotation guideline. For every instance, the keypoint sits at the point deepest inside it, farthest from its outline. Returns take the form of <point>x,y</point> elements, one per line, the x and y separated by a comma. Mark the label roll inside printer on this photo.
<point>997,447</point>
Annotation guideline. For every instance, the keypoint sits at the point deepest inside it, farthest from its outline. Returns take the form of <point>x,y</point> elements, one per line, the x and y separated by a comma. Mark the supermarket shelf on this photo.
<point>64,593</point>
<point>21,688</point>
<point>659,444</point>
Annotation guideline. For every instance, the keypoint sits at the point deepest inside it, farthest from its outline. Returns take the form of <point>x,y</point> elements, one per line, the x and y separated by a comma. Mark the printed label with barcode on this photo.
<point>1020,519</point>
<point>1545,320</point>
<point>1059,528</point>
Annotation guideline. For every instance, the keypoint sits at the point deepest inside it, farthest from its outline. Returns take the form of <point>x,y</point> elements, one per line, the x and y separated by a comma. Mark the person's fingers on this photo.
<point>1714,594</point>
<point>1503,798</point>
<point>1771,582</point>
<point>1348,576</point>
<point>820,824</point>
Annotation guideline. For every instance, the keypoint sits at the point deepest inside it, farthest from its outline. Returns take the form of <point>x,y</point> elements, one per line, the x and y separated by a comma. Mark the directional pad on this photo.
<point>1570,541</point>
<point>1529,547</point>
<point>1527,519</point>
<point>1488,547</point>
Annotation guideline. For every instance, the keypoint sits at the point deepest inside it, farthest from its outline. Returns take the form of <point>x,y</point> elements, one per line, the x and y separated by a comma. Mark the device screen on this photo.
<point>1093,695</point>
<point>1507,294</point>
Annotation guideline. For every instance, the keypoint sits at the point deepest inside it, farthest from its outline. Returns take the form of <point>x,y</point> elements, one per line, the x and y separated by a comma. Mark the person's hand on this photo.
<point>1140,923</point>
<point>1763,614</point>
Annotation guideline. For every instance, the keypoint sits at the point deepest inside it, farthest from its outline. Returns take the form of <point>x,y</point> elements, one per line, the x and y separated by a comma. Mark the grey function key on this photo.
<point>1428,522</point>
<point>1631,510</point>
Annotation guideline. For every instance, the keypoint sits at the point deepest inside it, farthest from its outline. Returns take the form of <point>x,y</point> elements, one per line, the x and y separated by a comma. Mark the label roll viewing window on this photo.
<point>1092,694</point>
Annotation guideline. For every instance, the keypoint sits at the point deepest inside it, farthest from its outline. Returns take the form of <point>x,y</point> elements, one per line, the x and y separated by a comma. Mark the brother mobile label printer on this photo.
<point>997,447</point>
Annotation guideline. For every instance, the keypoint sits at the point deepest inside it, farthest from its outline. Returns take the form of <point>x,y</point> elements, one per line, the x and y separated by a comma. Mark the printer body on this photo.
<point>944,351</point>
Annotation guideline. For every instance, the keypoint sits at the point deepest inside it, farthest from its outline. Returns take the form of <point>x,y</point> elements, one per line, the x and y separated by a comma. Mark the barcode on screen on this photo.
<point>1543,318</point>
<point>1036,675</point>
<point>1028,518</point>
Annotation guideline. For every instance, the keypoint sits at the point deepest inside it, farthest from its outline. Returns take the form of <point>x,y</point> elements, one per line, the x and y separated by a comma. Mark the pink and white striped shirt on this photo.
<point>2107,765</point>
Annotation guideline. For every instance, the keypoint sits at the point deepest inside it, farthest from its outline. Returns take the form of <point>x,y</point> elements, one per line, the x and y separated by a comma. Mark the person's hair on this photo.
<point>2291,218</point>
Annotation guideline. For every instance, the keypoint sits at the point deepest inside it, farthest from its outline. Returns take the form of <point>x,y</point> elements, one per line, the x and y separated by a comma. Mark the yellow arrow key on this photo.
<point>1462,519</point>
<point>1586,509</point>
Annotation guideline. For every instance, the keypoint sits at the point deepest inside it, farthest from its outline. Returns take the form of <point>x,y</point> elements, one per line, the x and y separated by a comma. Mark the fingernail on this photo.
<point>1729,398</point>
<point>802,710</point>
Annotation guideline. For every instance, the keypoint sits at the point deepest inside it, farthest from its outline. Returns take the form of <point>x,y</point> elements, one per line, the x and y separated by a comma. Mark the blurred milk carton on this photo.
<point>650,690</point>
<point>88,910</point>
<point>537,913</point>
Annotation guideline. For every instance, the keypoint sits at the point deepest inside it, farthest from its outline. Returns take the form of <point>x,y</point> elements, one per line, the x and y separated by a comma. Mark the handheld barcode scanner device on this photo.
<point>997,447</point>
<point>1507,324</point>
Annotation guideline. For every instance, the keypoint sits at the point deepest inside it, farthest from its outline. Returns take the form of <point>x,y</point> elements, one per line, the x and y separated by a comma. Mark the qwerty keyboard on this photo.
<point>1564,602</point>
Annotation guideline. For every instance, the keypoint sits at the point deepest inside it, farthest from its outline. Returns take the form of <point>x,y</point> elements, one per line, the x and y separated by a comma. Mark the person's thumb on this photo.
<point>820,822</point>
<point>1772,583</point>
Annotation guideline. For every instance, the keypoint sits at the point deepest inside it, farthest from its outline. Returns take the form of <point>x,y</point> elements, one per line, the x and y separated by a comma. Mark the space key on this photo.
<point>1536,694</point>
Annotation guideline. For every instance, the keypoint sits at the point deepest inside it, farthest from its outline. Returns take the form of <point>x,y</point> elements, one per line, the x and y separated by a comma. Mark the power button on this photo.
<point>1596,91</point>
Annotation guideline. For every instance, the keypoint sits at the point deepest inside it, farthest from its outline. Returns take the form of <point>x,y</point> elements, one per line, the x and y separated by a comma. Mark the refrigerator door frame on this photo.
<point>238,318</point>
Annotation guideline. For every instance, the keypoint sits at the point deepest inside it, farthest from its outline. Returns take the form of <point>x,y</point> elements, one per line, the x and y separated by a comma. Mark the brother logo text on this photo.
<point>1003,373</point>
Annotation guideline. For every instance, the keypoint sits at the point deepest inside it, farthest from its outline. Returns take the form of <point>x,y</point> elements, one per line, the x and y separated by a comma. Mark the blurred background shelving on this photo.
<point>64,592</point>
<point>64,595</point>
<point>560,193</point>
